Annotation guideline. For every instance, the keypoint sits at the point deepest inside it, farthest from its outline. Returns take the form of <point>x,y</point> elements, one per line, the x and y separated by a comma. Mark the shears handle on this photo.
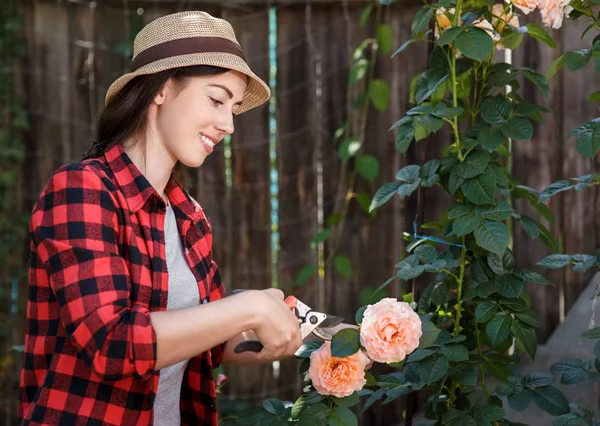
<point>255,345</point>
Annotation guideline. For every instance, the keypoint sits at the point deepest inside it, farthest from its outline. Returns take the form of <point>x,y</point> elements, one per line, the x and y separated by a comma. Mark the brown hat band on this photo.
<point>186,46</point>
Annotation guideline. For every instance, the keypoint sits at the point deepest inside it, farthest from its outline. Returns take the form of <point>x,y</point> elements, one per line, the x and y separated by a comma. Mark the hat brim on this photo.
<point>257,92</point>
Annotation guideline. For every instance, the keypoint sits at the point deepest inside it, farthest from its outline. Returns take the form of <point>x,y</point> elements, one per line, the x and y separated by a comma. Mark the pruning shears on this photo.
<point>311,321</point>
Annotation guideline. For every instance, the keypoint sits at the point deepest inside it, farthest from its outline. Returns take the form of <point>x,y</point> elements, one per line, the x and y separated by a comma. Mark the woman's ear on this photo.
<point>161,95</point>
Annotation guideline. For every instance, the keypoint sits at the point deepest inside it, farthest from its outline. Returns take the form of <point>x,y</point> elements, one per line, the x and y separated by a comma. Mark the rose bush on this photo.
<point>462,328</point>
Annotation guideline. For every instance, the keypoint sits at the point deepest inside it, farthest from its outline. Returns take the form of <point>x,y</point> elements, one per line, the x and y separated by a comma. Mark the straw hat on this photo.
<point>191,38</point>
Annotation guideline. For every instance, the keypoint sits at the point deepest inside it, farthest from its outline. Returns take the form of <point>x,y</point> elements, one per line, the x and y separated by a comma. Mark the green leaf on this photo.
<point>349,148</point>
<point>343,266</point>
<point>556,66</point>
<point>532,277</point>
<point>404,46</point>
<point>475,43</point>
<point>365,14</point>
<point>409,173</point>
<point>420,354</point>
<point>345,342</point>
<point>299,406</point>
<point>409,273</point>
<point>593,333</point>
<point>588,138</point>
<point>449,35</point>
<point>485,311</point>
<point>455,353</point>
<point>429,122</point>
<point>347,401</point>
<point>465,224</point>
<point>490,139</point>
<point>501,264</point>
<point>482,189</point>
<point>368,167</point>
<point>457,210</point>
<point>577,59</point>
<point>486,413</point>
<point>537,32</point>
<point>439,294</point>
<point>404,136</point>
<point>305,274</point>
<point>454,181</point>
<point>551,400</point>
<point>555,261</point>
<point>385,38</point>
<point>373,398</point>
<point>498,329</point>
<point>426,253</point>
<point>321,236</point>
<point>427,83</point>
<point>274,406</point>
<point>495,110</point>
<point>359,70</point>
<point>429,334</point>
<point>443,111</point>
<point>315,415</point>
<point>518,128</point>
<point>308,348</point>
<point>521,399</point>
<point>526,338</point>
<point>509,285</point>
<point>571,371</point>
<point>433,369</point>
<point>538,79</point>
<point>537,380</point>
<point>529,318</point>
<point>500,211</point>
<point>555,188</point>
<point>384,194</point>
<point>464,374</point>
<point>474,165</point>
<point>422,18</point>
<point>379,93</point>
<point>530,226</point>
<point>342,416</point>
<point>594,97</point>
<point>492,236</point>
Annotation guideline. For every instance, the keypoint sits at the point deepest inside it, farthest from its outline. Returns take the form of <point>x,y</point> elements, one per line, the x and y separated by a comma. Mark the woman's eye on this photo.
<point>216,102</point>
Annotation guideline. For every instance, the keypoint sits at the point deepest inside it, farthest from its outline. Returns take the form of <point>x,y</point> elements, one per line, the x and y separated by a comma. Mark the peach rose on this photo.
<point>390,330</point>
<point>337,376</point>
<point>553,11</point>
<point>526,6</point>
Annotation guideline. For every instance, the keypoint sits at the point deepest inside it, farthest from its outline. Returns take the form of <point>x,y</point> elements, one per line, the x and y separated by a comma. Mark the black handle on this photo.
<point>248,346</point>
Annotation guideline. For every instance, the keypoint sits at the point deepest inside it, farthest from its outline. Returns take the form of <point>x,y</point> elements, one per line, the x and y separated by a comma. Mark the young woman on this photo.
<point>126,314</point>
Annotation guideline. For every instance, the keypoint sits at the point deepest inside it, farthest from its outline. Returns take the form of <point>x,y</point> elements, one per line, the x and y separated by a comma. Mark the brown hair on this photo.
<point>126,113</point>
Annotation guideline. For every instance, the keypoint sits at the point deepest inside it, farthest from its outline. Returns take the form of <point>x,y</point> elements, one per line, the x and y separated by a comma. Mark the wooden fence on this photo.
<point>73,56</point>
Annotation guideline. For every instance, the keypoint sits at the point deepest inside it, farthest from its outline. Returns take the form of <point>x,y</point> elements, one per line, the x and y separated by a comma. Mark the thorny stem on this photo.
<point>454,96</point>
<point>461,278</point>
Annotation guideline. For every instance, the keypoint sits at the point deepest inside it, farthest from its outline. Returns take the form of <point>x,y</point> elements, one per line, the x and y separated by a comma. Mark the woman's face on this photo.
<point>192,118</point>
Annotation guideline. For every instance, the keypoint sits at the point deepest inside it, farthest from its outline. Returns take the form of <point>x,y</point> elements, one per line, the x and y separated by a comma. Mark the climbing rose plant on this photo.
<point>459,332</point>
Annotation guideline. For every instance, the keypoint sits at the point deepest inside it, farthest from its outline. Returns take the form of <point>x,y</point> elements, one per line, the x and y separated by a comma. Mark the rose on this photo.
<point>500,19</point>
<point>337,376</point>
<point>553,11</point>
<point>390,330</point>
<point>526,6</point>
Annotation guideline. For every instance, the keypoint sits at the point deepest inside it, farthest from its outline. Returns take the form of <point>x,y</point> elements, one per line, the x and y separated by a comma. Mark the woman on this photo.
<point>120,330</point>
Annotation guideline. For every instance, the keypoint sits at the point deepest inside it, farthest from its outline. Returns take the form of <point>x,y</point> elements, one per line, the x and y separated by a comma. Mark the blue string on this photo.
<point>434,239</point>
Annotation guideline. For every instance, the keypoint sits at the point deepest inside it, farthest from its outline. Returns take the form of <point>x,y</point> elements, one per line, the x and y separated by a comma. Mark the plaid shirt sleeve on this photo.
<point>217,291</point>
<point>74,230</point>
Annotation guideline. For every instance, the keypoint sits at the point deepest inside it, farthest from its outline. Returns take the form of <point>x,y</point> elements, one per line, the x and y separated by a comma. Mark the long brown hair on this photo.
<point>126,114</point>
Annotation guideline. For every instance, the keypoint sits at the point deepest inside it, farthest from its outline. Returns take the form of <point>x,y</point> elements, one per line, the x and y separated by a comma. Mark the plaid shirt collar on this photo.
<point>138,190</point>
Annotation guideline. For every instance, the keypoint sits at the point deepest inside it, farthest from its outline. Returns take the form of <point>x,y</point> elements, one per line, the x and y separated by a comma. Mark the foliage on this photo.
<point>475,308</point>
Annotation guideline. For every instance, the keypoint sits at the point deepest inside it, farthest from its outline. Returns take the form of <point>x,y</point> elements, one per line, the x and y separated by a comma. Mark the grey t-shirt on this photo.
<point>183,293</point>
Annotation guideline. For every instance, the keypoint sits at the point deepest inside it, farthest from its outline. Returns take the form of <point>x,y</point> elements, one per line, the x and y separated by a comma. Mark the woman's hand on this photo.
<point>278,329</point>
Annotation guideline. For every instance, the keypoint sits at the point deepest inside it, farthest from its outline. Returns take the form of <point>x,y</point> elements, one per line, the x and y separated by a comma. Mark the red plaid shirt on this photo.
<point>97,270</point>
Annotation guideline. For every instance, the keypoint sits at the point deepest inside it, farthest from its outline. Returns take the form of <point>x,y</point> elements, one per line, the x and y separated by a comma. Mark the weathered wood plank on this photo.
<point>296,169</point>
<point>536,164</point>
<point>250,257</point>
<point>579,219</point>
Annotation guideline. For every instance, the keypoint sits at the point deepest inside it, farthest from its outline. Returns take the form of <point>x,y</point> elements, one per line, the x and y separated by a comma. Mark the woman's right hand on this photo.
<point>278,329</point>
